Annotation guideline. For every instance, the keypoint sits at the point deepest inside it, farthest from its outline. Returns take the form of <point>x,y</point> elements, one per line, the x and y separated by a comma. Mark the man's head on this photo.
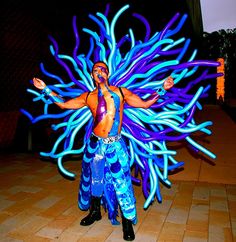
<point>100,72</point>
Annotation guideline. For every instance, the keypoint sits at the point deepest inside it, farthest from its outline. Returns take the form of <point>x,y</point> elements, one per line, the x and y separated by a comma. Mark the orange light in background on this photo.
<point>220,85</point>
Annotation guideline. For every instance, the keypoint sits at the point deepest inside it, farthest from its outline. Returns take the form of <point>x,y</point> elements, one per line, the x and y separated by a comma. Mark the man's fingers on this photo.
<point>36,79</point>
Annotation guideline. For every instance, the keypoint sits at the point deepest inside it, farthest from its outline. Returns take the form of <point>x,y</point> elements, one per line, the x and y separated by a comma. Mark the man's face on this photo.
<point>100,73</point>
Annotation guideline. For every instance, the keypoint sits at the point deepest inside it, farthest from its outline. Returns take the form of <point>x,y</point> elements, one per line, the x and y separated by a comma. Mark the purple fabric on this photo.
<point>101,110</point>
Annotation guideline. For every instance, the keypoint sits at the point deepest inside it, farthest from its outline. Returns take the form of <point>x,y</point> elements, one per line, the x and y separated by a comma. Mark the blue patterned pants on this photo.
<point>106,172</point>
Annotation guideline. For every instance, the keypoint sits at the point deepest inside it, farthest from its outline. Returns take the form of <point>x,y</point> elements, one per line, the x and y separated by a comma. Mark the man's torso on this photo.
<point>107,111</point>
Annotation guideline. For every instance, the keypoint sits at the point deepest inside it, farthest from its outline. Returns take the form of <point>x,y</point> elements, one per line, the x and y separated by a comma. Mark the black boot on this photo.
<point>128,232</point>
<point>94,214</point>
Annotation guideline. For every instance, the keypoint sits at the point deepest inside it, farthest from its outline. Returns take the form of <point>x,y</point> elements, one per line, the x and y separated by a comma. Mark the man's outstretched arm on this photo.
<point>75,103</point>
<point>135,101</point>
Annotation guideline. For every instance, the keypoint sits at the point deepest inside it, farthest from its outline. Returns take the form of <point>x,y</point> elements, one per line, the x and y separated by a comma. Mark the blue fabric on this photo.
<point>117,187</point>
<point>97,169</point>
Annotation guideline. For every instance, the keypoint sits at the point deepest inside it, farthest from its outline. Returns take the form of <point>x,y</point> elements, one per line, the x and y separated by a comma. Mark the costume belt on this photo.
<point>108,140</point>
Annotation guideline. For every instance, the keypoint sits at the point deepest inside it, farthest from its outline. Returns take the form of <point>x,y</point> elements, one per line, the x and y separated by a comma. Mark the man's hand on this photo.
<point>169,83</point>
<point>39,83</point>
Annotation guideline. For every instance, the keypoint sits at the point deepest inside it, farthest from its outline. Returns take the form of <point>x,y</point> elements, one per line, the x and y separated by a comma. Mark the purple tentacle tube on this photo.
<point>65,66</point>
<point>163,32</point>
<point>146,23</point>
<point>77,43</point>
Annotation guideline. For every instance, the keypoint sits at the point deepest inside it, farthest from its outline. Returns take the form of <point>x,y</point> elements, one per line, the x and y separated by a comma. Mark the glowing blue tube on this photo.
<point>199,147</point>
<point>153,190</point>
<point>179,26</point>
<point>63,170</point>
<point>49,74</point>
<point>110,59</point>
<point>145,75</point>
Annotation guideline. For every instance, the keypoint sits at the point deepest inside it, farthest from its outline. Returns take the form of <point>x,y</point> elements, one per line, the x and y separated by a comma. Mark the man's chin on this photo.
<point>100,82</point>
<point>101,79</point>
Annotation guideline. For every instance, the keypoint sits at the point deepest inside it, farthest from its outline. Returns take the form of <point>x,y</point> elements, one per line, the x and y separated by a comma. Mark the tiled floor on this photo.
<point>38,204</point>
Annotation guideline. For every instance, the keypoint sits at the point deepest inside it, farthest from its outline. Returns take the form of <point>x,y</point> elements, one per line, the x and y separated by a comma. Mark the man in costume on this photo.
<point>105,165</point>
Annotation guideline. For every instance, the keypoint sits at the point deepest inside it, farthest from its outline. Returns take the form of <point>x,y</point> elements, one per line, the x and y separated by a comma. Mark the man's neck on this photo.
<point>102,86</point>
